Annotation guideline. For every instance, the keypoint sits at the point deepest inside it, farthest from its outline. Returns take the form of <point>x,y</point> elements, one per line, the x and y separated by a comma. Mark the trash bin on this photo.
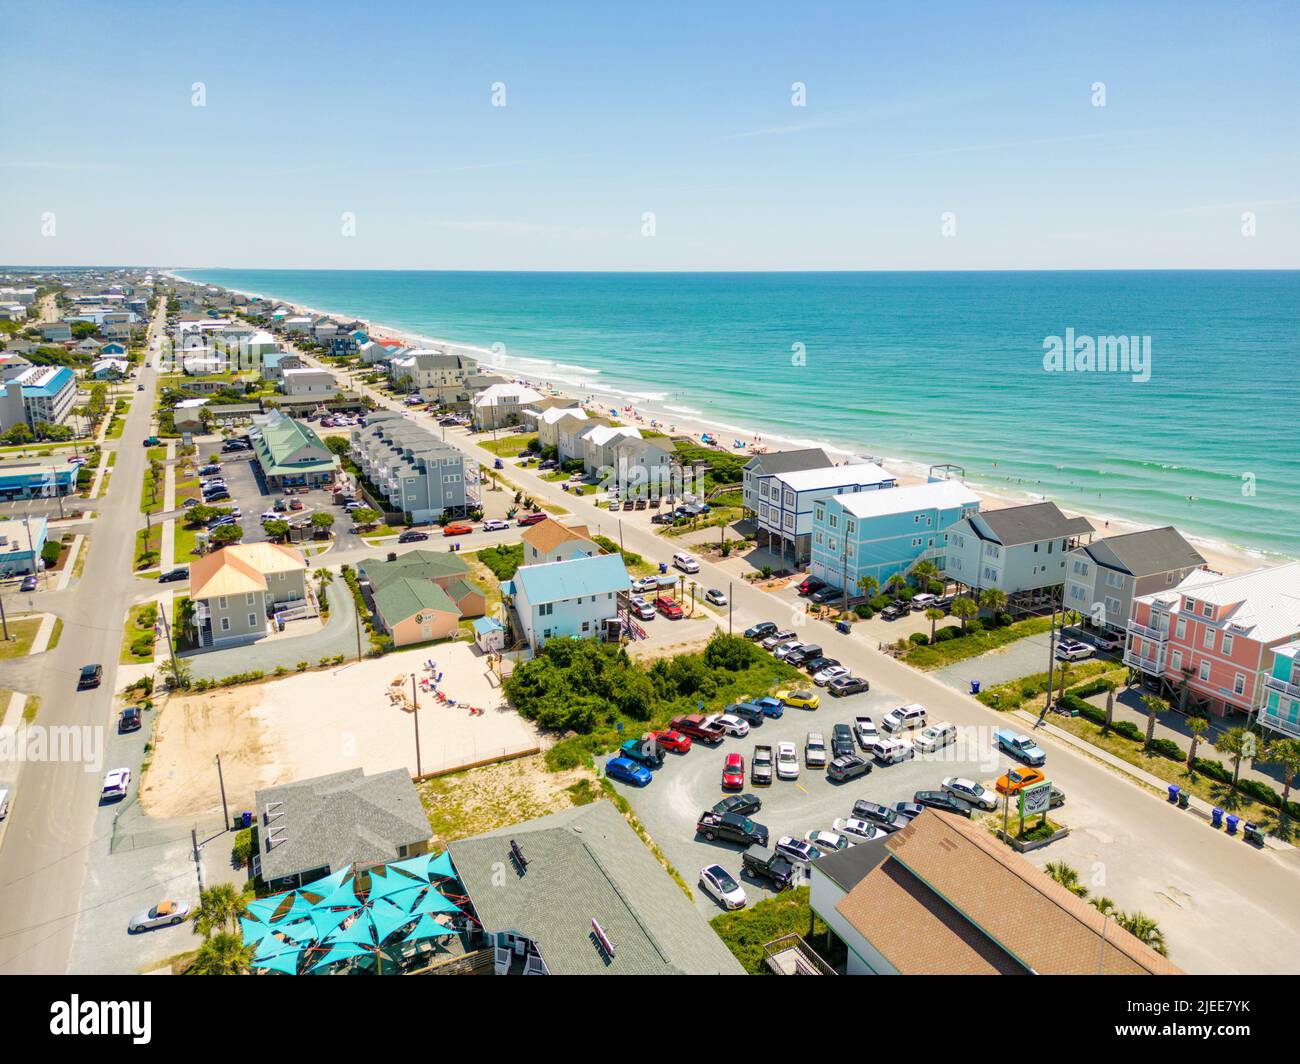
<point>1251,833</point>
<point>1174,792</point>
<point>1216,818</point>
<point>842,626</point>
<point>1184,799</point>
<point>974,687</point>
<point>663,567</point>
<point>246,818</point>
<point>1233,821</point>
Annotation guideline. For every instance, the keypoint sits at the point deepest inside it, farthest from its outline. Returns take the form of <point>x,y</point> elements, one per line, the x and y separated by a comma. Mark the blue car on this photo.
<point>771,707</point>
<point>626,770</point>
<point>1020,746</point>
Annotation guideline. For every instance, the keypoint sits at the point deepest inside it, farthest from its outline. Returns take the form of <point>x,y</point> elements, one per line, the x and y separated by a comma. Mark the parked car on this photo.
<point>715,597</point>
<point>815,665</point>
<point>823,677</point>
<point>717,882</point>
<point>800,699</point>
<point>787,761</point>
<point>760,765</point>
<point>129,719</point>
<point>762,863</point>
<point>847,767</point>
<point>746,711</point>
<point>810,584</point>
<point>769,706</point>
<point>685,562</point>
<point>673,740</point>
<point>1014,780</point>
<point>760,631</point>
<point>732,724</point>
<point>1110,642</point>
<point>827,841</point>
<point>165,914</point>
<point>784,650</point>
<point>922,601</point>
<point>695,725</point>
<point>971,791</point>
<point>881,816</point>
<point>531,519</point>
<point>904,718</point>
<point>1019,746</point>
<point>825,595</point>
<point>814,750</point>
<point>733,772</point>
<point>908,811</point>
<point>669,608</point>
<point>412,536</point>
<point>29,583</point>
<point>90,676</point>
<point>943,801</point>
<point>627,771</point>
<point>858,830</point>
<point>865,731</point>
<point>841,740</point>
<point>935,737</point>
<point>495,524</point>
<point>774,640</point>
<point>806,652</point>
<point>457,528</point>
<point>797,851</point>
<point>644,752</point>
<point>643,584</point>
<point>740,804</point>
<point>641,608</point>
<point>847,684</point>
<point>1072,650</point>
<point>4,802</point>
<point>892,751</point>
<point>732,827</point>
<point>894,611</point>
<point>116,783</point>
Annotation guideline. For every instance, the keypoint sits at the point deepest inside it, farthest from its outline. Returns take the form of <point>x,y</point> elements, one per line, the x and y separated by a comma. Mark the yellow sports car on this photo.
<point>800,699</point>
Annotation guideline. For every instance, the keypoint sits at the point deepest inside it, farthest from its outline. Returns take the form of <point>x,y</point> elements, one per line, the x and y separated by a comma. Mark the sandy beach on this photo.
<point>734,439</point>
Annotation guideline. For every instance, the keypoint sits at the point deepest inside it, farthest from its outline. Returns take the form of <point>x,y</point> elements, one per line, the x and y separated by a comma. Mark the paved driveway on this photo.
<point>1024,657</point>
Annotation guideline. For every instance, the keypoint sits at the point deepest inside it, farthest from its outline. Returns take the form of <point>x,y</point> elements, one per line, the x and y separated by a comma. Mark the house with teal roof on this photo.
<point>291,454</point>
<point>577,598</point>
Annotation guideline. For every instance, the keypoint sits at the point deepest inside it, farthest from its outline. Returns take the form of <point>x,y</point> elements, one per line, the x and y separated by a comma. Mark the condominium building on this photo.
<point>786,501</point>
<point>417,472</point>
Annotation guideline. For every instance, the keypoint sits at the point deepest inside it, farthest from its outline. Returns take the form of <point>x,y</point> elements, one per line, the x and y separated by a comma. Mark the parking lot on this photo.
<point>690,783</point>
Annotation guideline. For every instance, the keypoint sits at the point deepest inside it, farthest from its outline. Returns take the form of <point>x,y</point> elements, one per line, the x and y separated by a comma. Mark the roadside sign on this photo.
<point>1036,799</point>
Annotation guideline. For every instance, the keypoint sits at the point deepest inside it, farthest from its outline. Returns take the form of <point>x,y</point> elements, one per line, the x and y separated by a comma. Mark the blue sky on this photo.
<point>912,110</point>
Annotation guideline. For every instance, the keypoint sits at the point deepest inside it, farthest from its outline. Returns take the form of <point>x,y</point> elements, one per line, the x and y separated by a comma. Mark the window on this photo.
<point>252,620</point>
<point>1176,661</point>
<point>1239,684</point>
<point>1204,670</point>
<point>818,539</point>
<point>1208,639</point>
<point>834,521</point>
<point>1112,607</point>
<point>850,527</point>
<point>1181,629</point>
<point>225,624</point>
<point>1114,579</point>
<point>222,602</point>
<point>1227,644</point>
<point>1207,610</point>
<point>248,599</point>
<point>821,513</point>
<point>545,609</point>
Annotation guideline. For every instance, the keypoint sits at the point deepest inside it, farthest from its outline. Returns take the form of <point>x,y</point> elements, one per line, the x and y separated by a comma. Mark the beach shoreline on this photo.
<point>649,410</point>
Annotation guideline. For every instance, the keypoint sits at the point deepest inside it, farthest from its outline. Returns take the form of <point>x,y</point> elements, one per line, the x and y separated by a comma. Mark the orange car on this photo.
<point>457,528</point>
<point>1016,778</point>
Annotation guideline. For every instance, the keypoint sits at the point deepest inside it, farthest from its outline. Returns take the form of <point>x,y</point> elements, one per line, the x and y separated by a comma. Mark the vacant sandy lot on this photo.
<point>320,722</point>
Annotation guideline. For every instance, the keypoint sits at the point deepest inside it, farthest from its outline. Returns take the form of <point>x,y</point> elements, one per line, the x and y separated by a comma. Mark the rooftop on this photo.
<point>937,494</point>
<point>815,478</point>
<point>405,596</point>
<point>789,461</point>
<point>425,564</point>
<point>1266,601</point>
<point>546,535</point>
<point>1031,524</point>
<point>1146,553</point>
<point>555,581</point>
<point>241,568</point>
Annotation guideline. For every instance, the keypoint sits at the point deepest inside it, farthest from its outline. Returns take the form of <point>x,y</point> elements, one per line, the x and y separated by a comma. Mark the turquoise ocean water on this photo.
<point>918,367</point>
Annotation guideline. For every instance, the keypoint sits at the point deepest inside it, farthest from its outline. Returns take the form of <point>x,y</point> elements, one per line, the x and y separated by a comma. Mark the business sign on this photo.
<point>1036,799</point>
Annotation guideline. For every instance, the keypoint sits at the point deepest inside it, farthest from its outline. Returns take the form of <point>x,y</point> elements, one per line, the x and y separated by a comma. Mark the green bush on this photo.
<point>864,610</point>
<point>50,552</point>
<point>142,645</point>
<point>942,635</point>
<point>243,849</point>
<point>1167,748</point>
<point>920,639</point>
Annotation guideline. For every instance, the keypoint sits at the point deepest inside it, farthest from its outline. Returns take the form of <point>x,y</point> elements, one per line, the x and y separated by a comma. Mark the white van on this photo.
<point>904,717</point>
<point>891,751</point>
<point>686,563</point>
<point>924,601</point>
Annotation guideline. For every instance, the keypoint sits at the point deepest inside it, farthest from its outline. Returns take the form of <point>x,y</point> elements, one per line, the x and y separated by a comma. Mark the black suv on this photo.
<point>761,630</point>
<point>842,740</point>
<point>804,653</point>
<point>90,676</point>
<point>746,711</point>
<point>761,862</point>
<point>880,815</point>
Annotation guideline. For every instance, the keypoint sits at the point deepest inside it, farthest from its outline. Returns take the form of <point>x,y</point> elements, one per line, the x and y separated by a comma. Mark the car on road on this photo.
<point>535,518</point>
<point>800,699</point>
<point>669,608</point>
<point>626,770</point>
<point>847,767</point>
<point>718,884</point>
<point>458,528</point>
<point>129,719</point>
<point>167,913</point>
<point>971,791</point>
<point>847,684</point>
<point>761,863</point>
<point>797,851</point>
<point>731,827</point>
<point>787,761</point>
<point>859,830</point>
<point>28,584</point>
<point>1019,746</point>
<point>827,673</point>
<point>841,740</point>
<point>117,782</point>
<point>674,741</point>
<point>904,717</point>
<point>685,562</point>
<point>212,469</point>
<point>944,801</point>
<point>827,841</point>
<point>732,725</point>
<point>810,584</point>
<point>935,737</point>
<point>1072,650</point>
<point>774,640</point>
<point>759,631</point>
<point>715,597</point>
<point>733,772</point>
<point>90,676</point>
<point>740,804</point>
<point>495,524</point>
<point>412,536</point>
<point>881,816</point>
<point>181,572</point>
<point>189,502</point>
<point>1014,780</point>
<point>814,750</point>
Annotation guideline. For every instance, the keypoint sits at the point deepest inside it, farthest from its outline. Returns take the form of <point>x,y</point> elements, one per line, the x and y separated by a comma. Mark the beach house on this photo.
<point>548,421</point>
<point>878,534</point>
<point>502,404</point>
<point>784,517</point>
<point>308,382</point>
<point>437,375</point>
<point>237,590</point>
<point>417,472</point>
<point>569,430</point>
<point>550,541</point>
<point>32,394</point>
<point>1105,576</point>
<point>1281,709</point>
<point>442,568</point>
<point>642,468</point>
<point>1020,550</point>
<point>600,447</point>
<point>1209,644</point>
<point>290,453</point>
<point>570,598</point>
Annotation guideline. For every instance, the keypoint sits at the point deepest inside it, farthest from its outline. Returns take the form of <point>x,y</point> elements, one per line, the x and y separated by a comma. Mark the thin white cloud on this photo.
<point>1243,205</point>
<point>1034,142</point>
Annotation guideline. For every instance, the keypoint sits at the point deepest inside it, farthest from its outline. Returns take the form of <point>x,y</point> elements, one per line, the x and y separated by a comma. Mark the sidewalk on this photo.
<point>167,548</point>
<point>65,574</point>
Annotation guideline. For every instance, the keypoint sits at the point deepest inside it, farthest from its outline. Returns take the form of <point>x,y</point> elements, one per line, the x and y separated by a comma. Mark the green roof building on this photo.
<point>291,454</point>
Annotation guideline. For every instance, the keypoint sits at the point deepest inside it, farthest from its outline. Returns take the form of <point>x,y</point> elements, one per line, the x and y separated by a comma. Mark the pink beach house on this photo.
<point>1209,641</point>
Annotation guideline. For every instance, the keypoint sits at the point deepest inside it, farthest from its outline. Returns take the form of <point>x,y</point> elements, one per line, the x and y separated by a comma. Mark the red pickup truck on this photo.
<point>693,724</point>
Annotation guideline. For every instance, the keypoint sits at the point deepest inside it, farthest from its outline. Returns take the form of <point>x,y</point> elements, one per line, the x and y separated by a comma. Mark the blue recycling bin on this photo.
<point>1216,818</point>
<point>974,687</point>
<point>1233,821</point>
<point>246,818</point>
<point>842,627</point>
<point>663,567</point>
<point>1173,793</point>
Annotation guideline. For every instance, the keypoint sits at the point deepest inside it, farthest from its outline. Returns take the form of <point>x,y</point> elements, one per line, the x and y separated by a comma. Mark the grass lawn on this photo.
<point>498,562</point>
<point>968,646</point>
<point>56,634</point>
<point>508,446</point>
<point>1028,692</point>
<point>22,633</point>
<point>146,612</point>
<point>108,473</point>
<point>747,930</point>
<point>32,707</point>
<point>142,563</point>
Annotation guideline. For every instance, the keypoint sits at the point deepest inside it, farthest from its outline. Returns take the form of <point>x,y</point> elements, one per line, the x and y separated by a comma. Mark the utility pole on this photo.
<point>171,649</point>
<point>1051,652</point>
<point>730,605</point>
<point>3,620</point>
<point>221,781</point>
<point>415,701</point>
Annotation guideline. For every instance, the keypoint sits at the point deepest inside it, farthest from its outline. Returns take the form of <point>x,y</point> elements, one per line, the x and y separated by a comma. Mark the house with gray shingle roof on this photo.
<point>1103,577</point>
<point>548,890</point>
<point>310,828</point>
<point>1019,550</point>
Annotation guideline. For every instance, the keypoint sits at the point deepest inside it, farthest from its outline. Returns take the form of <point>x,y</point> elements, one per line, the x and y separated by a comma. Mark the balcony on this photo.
<point>1273,683</point>
<point>1279,724</point>
<point>1155,666</point>
<point>1156,635</point>
<point>791,955</point>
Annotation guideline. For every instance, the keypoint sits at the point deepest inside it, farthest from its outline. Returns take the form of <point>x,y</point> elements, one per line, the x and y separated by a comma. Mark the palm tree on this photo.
<point>1236,743</point>
<point>1110,707</point>
<point>1104,906</point>
<point>923,572</point>
<point>1155,706</point>
<point>1286,753</point>
<point>934,616</point>
<point>896,583</point>
<point>1144,929</point>
<point>993,599</point>
<point>1067,877</point>
<point>222,954</point>
<point>964,608</point>
<point>1198,727</point>
<point>868,585</point>
<point>220,908</point>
